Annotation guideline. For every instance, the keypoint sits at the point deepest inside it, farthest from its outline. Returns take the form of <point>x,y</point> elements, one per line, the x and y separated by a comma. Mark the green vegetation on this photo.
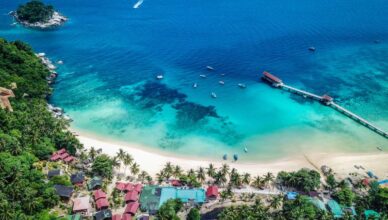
<point>169,210</point>
<point>304,179</point>
<point>103,166</point>
<point>193,214</point>
<point>344,196</point>
<point>35,11</point>
<point>27,134</point>
<point>256,211</point>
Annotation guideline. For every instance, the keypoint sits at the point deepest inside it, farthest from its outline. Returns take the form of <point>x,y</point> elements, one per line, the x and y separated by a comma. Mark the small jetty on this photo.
<point>324,99</point>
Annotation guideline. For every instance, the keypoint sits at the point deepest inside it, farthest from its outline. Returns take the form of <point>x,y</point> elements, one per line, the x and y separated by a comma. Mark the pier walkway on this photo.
<point>325,99</point>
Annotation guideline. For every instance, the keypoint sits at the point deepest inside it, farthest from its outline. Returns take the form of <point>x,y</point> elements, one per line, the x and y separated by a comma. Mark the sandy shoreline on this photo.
<point>153,161</point>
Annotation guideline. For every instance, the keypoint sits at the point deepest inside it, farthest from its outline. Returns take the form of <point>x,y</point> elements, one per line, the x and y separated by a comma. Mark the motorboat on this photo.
<point>213,95</point>
<point>209,68</point>
<point>202,76</point>
<point>159,77</point>
<point>243,86</point>
<point>221,82</point>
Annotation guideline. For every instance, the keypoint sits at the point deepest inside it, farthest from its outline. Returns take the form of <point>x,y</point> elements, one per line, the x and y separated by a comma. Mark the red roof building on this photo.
<point>212,192</point>
<point>61,151</point>
<point>81,205</point>
<point>126,217</point>
<point>55,157</point>
<point>326,99</point>
<point>176,183</point>
<point>102,204</point>
<point>116,217</point>
<point>271,78</point>
<point>64,155</point>
<point>68,159</point>
<point>99,194</point>
<point>120,186</point>
<point>138,187</point>
<point>365,182</point>
<point>131,196</point>
<point>128,187</point>
<point>132,208</point>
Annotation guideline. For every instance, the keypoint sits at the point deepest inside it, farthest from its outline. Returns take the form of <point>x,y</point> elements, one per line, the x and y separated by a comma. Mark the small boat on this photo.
<point>213,95</point>
<point>195,85</point>
<point>209,68</point>
<point>202,76</point>
<point>235,157</point>
<point>159,77</point>
<point>221,82</point>
<point>222,74</point>
<point>246,150</point>
<point>312,49</point>
<point>379,148</point>
<point>243,86</point>
<point>225,157</point>
<point>60,62</point>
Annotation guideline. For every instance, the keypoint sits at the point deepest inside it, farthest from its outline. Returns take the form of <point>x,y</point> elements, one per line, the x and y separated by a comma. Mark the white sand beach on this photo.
<point>152,162</point>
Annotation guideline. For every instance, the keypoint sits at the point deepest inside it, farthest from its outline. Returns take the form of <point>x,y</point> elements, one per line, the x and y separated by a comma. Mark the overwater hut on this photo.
<point>105,214</point>
<point>64,192</point>
<point>212,192</point>
<point>327,100</point>
<point>132,208</point>
<point>335,208</point>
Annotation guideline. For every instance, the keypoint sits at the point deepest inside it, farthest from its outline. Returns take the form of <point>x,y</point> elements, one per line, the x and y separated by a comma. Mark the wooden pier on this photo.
<point>325,99</point>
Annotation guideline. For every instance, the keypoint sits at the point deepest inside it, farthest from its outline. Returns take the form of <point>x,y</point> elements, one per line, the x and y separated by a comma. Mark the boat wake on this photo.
<point>137,5</point>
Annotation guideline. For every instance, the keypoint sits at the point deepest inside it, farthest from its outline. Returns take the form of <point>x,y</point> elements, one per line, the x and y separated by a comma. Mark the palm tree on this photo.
<point>120,155</point>
<point>201,175</point>
<point>160,176</point>
<point>177,171</point>
<point>246,178</point>
<point>191,173</point>
<point>211,170</point>
<point>168,170</point>
<point>268,178</point>
<point>235,180</point>
<point>92,153</point>
<point>258,182</point>
<point>276,202</point>
<point>127,161</point>
<point>142,176</point>
<point>220,178</point>
<point>135,169</point>
<point>115,162</point>
<point>225,169</point>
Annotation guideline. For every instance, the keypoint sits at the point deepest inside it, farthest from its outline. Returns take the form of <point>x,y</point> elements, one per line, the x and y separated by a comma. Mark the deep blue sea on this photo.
<point>112,53</point>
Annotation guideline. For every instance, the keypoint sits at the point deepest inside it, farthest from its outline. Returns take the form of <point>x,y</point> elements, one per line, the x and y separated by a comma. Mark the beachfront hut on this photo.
<point>131,196</point>
<point>116,217</point>
<point>120,186</point>
<point>81,205</point>
<point>212,192</point>
<point>61,151</point>
<point>99,194</point>
<point>318,203</point>
<point>383,183</point>
<point>143,217</point>
<point>64,155</point>
<point>95,183</point>
<point>77,178</point>
<point>291,195</point>
<point>103,215</point>
<point>335,208</point>
<point>126,217</point>
<point>371,214</point>
<point>351,210</point>
<point>102,204</point>
<point>138,187</point>
<point>365,182</point>
<point>52,173</point>
<point>132,208</point>
<point>64,192</point>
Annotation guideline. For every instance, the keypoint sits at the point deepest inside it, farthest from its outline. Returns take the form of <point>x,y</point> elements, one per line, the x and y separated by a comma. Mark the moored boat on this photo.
<point>209,68</point>
<point>225,157</point>
<point>195,85</point>
<point>221,82</point>
<point>213,95</point>
<point>202,76</point>
<point>241,85</point>
<point>235,157</point>
<point>159,77</point>
<point>312,49</point>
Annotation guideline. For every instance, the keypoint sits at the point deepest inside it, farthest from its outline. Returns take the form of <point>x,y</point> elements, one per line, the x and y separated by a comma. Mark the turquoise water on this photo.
<point>112,53</point>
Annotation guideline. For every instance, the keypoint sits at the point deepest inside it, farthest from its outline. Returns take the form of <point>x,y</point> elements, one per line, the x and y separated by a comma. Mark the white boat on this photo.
<point>159,77</point>
<point>202,76</point>
<point>60,62</point>
<point>213,95</point>
<point>246,150</point>
<point>195,85</point>
<point>243,86</point>
<point>209,68</point>
<point>221,82</point>
<point>222,74</point>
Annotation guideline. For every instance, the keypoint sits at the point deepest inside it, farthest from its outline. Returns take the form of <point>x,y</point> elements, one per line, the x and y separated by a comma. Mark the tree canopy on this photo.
<point>303,179</point>
<point>27,134</point>
<point>35,11</point>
